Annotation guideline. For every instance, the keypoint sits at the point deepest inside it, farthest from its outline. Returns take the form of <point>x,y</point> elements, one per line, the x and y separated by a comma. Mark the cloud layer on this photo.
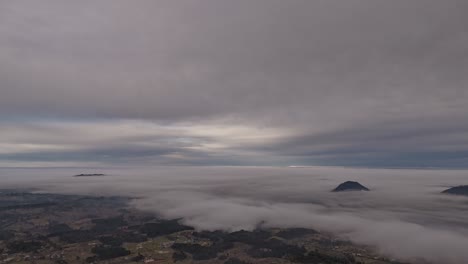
<point>404,215</point>
<point>360,82</point>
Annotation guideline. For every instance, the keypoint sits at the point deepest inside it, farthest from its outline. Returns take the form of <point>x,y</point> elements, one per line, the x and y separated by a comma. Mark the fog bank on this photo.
<point>404,215</point>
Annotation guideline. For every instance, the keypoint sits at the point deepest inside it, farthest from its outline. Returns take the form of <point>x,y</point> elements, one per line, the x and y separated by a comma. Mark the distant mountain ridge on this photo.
<point>89,175</point>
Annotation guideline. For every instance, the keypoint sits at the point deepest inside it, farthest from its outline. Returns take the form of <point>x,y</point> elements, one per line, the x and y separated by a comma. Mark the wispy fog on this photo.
<point>404,215</point>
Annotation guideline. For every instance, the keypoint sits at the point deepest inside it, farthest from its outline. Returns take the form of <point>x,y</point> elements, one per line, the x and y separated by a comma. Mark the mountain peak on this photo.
<point>457,190</point>
<point>350,186</point>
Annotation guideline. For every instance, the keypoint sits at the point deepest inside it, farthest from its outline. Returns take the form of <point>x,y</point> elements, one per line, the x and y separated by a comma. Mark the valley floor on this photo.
<point>55,228</point>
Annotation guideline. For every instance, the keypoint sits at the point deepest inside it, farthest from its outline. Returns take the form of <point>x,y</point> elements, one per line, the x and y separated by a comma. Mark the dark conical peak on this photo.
<point>458,190</point>
<point>350,186</point>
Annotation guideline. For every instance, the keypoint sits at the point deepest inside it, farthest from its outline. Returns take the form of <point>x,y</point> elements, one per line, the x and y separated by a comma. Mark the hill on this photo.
<point>458,190</point>
<point>350,186</point>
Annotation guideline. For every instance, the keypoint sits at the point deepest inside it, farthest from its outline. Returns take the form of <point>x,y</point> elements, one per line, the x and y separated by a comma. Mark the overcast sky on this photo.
<point>373,83</point>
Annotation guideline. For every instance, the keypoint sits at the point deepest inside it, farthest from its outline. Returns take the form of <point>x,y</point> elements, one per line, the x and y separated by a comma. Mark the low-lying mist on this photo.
<point>403,216</point>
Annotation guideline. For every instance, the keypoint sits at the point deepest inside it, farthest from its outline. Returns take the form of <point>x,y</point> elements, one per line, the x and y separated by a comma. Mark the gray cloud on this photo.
<point>359,77</point>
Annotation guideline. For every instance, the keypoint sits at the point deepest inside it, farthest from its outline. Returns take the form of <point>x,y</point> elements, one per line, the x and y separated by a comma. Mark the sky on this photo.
<point>364,83</point>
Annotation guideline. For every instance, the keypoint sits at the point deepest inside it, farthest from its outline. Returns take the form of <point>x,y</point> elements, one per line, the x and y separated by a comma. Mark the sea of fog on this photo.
<point>404,215</point>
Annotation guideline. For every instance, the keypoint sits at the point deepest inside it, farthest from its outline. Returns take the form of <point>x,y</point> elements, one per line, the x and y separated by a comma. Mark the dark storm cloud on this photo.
<point>333,73</point>
<point>406,144</point>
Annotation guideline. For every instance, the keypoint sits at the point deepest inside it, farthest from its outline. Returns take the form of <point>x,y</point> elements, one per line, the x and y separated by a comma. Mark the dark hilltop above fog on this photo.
<point>89,175</point>
<point>458,190</point>
<point>350,186</point>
